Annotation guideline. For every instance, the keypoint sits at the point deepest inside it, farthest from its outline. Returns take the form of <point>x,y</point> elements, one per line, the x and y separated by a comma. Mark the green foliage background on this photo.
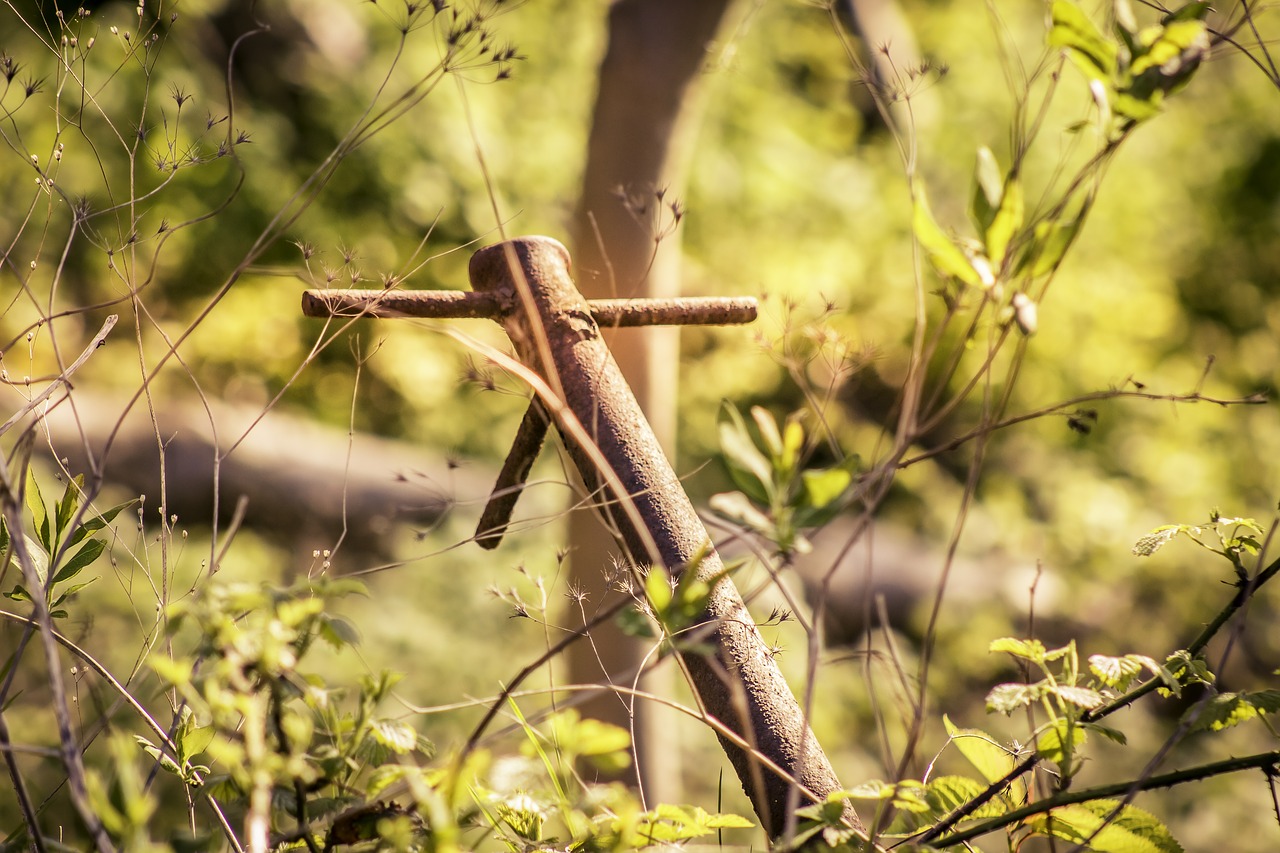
<point>794,194</point>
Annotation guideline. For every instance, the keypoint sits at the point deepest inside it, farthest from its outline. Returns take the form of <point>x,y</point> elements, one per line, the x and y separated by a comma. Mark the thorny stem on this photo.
<point>1244,592</point>
<point>1264,760</point>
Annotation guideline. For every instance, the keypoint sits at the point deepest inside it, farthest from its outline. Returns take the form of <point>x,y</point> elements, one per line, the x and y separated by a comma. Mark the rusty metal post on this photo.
<point>742,676</point>
<point>526,285</point>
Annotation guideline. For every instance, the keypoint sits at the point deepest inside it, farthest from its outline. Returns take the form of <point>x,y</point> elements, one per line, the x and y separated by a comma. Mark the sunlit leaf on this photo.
<point>1130,830</point>
<point>943,253</point>
<point>750,469</point>
<point>1056,745</point>
<point>1032,650</point>
<point>988,189</point>
<point>1082,697</point>
<point>1009,697</point>
<point>1088,48</point>
<point>1006,222</point>
<point>89,552</point>
<point>1226,710</point>
<point>987,755</point>
<point>948,793</point>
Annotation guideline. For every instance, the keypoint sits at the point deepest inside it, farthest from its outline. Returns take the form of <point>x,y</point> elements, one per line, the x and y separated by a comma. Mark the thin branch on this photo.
<point>63,379</point>
<point>1263,760</point>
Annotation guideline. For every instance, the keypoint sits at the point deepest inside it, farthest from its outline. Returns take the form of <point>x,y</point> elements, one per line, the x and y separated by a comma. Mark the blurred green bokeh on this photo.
<point>795,194</point>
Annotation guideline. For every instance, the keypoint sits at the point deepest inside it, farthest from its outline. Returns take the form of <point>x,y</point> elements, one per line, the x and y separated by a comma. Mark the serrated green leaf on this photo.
<point>1226,710</point>
<point>1009,697</point>
<point>1131,830</point>
<point>1119,672</point>
<point>396,736</point>
<point>948,793</point>
<point>1081,697</point>
<point>1032,650</point>
<point>992,760</point>
<point>942,251</point>
<point>1151,542</point>
<point>1088,48</point>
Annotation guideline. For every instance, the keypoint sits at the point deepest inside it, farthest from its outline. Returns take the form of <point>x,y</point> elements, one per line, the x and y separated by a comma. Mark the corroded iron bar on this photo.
<point>560,340</point>
<point>458,304</point>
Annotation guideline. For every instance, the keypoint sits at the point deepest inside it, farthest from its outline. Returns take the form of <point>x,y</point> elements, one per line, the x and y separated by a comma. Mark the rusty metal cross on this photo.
<point>525,285</point>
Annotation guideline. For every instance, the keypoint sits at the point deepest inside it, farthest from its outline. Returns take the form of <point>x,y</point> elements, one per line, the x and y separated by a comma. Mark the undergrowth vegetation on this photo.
<point>222,679</point>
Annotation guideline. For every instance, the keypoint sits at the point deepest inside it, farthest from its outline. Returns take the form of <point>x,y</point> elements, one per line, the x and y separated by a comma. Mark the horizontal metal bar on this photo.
<point>460,304</point>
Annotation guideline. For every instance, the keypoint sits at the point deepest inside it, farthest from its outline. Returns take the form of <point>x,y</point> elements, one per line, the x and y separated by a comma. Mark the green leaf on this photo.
<point>396,736</point>
<point>1151,542</point>
<point>337,632</point>
<point>657,586</point>
<point>64,594</point>
<point>1007,698</point>
<point>39,512</point>
<point>750,469</point>
<point>1227,710</point>
<point>1006,223</point>
<point>1131,830</point>
<point>1032,650</point>
<point>39,558</point>
<point>1119,672</point>
<point>792,443</point>
<point>943,253</point>
<point>93,525</point>
<point>197,740</point>
<point>768,427</point>
<point>948,793</point>
<point>1088,48</point>
<point>80,560</point>
<point>988,189</point>
<point>825,486</point>
<point>1052,240</point>
<point>1188,12</point>
<point>1082,697</point>
<point>738,508</point>
<point>70,502</point>
<point>1113,735</point>
<point>992,760</point>
<point>1059,741</point>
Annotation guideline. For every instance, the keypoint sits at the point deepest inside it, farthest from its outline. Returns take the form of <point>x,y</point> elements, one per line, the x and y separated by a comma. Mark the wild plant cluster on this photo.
<point>230,726</point>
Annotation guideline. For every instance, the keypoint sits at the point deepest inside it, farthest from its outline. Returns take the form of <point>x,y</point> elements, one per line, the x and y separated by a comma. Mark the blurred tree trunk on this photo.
<point>647,109</point>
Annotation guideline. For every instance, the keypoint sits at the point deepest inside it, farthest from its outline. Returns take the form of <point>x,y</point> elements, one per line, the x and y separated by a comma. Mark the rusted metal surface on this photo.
<point>559,339</point>
<point>461,304</point>
<point>525,285</point>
